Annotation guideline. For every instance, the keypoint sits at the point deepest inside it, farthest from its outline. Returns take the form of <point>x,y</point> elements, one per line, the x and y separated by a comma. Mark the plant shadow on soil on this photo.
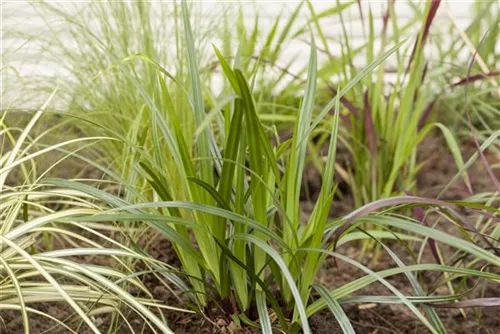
<point>366,318</point>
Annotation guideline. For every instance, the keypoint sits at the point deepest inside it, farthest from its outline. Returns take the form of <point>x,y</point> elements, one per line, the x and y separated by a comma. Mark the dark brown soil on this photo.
<point>440,167</point>
<point>395,319</point>
<point>366,318</point>
<point>390,318</point>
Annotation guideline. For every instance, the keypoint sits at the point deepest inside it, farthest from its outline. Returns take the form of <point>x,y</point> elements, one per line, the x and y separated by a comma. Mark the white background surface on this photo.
<point>20,15</point>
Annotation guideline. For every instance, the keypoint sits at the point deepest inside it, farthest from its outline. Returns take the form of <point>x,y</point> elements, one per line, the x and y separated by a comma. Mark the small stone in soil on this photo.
<point>221,322</point>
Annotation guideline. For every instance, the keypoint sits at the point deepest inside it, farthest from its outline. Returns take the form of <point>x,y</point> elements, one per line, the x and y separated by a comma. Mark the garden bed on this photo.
<point>159,183</point>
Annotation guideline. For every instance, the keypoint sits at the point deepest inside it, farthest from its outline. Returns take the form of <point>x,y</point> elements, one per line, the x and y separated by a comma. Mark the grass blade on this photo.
<point>336,309</point>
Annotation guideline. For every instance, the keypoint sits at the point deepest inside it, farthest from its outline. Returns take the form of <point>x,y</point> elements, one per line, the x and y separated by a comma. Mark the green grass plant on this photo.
<point>471,91</point>
<point>229,202</point>
<point>385,123</point>
<point>34,220</point>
